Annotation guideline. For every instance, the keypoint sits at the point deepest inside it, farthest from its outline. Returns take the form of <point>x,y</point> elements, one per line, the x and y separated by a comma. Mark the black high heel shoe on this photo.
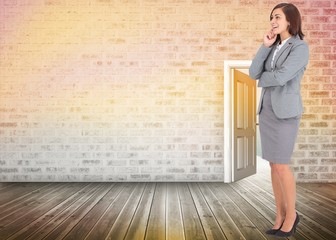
<point>273,231</point>
<point>291,232</point>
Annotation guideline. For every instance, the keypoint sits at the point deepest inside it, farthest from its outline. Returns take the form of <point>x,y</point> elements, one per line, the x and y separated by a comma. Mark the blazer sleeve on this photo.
<point>295,62</point>
<point>257,65</point>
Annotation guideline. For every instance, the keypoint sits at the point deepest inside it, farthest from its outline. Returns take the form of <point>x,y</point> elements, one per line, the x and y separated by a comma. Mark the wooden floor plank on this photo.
<point>250,211</point>
<point>326,190</point>
<point>156,228</point>
<point>255,196</point>
<point>138,226</point>
<point>222,216</point>
<point>326,205</point>
<point>104,224</point>
<point>174,221</point>
<point>32,226</point>
<point>246,227</point>
<point>18,191</point>
<point>20,204</point>
<point>66,211</point>
<point>120,226</point>
<point>193,228</point>
<point>41,209</point>
<point>312,229</point>
<point>77,211</point>
<point>4,185</point>
<point>210,225</point>
<point>84,226</point>
<point>139,211</point>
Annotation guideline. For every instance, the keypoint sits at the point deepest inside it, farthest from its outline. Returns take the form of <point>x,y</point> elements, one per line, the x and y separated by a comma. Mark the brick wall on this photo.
<point>120,90</point>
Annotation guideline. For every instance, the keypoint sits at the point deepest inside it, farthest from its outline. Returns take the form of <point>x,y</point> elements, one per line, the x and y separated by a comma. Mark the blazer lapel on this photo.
<point>287,45</point>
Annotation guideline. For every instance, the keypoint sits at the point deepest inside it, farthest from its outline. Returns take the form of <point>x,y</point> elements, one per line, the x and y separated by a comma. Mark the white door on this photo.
<point>244,126</point>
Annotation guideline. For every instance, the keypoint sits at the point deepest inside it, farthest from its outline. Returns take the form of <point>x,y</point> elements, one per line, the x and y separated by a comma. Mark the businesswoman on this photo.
<point>279,65</point>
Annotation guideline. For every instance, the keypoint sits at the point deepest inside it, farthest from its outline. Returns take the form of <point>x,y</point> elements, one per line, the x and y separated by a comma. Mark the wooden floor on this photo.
<point>242,210</point>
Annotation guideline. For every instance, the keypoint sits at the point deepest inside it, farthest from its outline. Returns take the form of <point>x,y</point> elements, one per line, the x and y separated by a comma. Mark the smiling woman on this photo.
<point>283,19</point>
<point>279,65</point>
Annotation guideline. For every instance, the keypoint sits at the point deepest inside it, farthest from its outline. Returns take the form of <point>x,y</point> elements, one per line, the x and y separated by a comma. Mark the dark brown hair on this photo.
<point>293,16</point>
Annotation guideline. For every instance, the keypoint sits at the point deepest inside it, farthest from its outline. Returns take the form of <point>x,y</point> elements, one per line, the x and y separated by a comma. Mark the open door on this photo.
<point>240,105</point>
<point>243,126</point>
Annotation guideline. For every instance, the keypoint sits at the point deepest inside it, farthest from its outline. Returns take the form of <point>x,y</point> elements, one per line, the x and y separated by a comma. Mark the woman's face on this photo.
<point>278,22</point>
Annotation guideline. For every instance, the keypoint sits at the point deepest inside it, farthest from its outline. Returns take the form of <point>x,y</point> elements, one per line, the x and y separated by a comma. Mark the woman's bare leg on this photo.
<point>287,185</point>
<point>279,198</point>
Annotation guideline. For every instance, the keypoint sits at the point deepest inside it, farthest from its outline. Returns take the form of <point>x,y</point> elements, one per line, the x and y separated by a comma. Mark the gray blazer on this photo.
<point>285,79</point>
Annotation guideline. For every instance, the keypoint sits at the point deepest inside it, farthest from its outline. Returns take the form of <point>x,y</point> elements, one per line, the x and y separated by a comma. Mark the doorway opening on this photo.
<point>229,111</point>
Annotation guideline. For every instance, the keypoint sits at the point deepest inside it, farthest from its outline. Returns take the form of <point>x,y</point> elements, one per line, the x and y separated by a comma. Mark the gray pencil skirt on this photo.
<point>277,136</point>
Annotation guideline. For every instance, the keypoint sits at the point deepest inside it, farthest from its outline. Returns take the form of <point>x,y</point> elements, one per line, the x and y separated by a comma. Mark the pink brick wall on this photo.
<point>133,90</point>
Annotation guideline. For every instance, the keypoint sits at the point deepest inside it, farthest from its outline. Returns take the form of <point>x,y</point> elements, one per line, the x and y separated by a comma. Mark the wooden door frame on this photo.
<point>229,65</point>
